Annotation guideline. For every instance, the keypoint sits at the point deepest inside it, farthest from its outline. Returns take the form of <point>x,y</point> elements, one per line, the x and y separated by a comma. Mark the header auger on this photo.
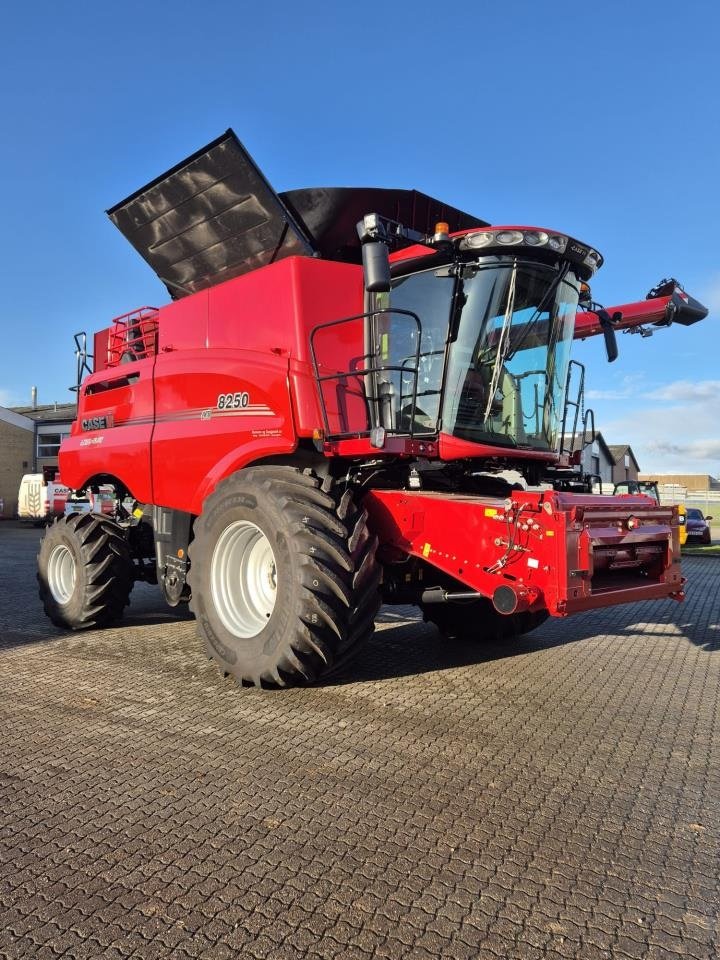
<point>355,396</point>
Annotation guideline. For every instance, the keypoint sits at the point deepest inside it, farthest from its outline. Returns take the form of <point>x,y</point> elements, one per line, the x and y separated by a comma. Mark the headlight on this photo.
<point>593,260</point>
<point>536,238</point>
<point>475,240</point>
<point>509,237</point>
<point>558,243</point>
<point>572,250</point>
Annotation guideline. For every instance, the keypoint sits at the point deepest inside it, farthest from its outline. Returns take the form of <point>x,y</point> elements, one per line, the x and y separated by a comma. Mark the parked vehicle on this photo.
<point>40,498</point>
<point>101,501</point>
<point>650,489</point>
<point>326,418</point>
<point>698,527</point>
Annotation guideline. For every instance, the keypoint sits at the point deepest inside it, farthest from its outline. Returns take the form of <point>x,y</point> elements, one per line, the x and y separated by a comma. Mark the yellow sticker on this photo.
<point>426,550</point>
<point>549,533</point>
<point>137,513</point>
<point>490,512</point>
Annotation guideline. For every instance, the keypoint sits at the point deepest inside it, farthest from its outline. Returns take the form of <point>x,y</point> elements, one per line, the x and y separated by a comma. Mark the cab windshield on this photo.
<point>493,354</point>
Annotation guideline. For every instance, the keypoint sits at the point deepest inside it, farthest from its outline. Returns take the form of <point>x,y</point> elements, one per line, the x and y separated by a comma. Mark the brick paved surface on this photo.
<point>559,797</point>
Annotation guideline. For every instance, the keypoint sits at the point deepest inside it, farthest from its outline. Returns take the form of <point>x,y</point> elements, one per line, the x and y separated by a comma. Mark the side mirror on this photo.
<point>376,266</point>
<point>606,323</point>
<point>611,347</point>
<point>708,518</point>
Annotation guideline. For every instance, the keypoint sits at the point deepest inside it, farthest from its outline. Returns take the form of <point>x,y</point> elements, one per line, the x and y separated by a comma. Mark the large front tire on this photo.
<point>283,575</point>
<point>85,572</point>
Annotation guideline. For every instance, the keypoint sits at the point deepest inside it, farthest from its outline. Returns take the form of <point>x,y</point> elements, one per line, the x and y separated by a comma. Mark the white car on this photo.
<point>103,502</point>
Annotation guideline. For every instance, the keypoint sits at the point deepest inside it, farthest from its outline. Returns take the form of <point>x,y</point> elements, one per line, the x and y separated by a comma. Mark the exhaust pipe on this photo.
<point>508,600</point>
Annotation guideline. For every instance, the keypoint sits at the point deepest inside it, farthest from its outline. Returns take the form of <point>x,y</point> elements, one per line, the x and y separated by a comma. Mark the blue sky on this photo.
<point>598,119</point>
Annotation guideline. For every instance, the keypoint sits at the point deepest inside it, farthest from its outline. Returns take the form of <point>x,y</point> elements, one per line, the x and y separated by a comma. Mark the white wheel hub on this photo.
<point>61,574</point>
<point>243,579</point>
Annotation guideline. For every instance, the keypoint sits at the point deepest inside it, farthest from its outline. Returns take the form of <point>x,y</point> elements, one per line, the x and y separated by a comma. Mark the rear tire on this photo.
<point>285,585</point>
<point>478,620</point>
<point>85,572</point>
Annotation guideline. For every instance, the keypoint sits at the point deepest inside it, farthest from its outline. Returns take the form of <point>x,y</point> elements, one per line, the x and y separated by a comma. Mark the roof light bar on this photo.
<point>515,237</point>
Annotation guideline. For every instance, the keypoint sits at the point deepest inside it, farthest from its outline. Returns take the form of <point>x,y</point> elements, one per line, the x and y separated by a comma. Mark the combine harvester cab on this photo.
<point>356,395</point>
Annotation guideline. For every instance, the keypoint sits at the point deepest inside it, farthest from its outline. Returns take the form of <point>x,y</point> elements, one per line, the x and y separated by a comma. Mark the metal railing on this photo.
<point>133,336</point>
<point>379,407</point>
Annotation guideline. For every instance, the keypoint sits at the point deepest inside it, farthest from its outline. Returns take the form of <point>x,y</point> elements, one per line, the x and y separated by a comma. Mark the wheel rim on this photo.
<point>61,573</point>
<point>243,579</point>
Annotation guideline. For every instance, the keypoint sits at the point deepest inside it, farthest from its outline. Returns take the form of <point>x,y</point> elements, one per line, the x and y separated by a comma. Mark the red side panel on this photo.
<point>453,448</point>
<point>340,362</point>
<point>100,349</point>
<point>273,312</point>
<point>113,429</point>
<point>217,411</point>
<point>183,325</point>
<point>221,391</point>
<point>325,292</point>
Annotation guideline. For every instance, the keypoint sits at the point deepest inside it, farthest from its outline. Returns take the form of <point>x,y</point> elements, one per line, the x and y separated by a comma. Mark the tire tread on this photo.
<point>336,549</point>
<point>104,554</point>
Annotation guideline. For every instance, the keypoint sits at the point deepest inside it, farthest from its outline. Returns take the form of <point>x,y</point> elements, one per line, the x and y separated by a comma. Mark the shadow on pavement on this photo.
<point>415,647</point>
<point>403,645</point>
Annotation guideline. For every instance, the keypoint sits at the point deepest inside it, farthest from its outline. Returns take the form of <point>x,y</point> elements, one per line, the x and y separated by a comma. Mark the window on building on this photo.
<point>596,466</point>
<point>48,444</point>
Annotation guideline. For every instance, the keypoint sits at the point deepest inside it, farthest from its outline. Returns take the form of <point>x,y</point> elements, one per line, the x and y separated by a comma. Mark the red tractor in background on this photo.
<point>356,396</point>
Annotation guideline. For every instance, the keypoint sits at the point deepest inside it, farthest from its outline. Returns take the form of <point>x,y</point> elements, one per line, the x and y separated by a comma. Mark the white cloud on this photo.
<point>672,428</point>
<point>628,387</point>
<point>677,391</point>
<point>680,391</point>
<point>622,394</point>
<point>706,449</point>
<point>682,438</point>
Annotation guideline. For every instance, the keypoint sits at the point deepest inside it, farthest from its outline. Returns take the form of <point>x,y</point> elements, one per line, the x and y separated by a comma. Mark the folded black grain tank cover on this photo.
<point>214,216</point>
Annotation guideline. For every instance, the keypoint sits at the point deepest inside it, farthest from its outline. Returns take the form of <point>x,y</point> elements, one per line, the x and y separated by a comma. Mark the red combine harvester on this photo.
<point>357,395</point>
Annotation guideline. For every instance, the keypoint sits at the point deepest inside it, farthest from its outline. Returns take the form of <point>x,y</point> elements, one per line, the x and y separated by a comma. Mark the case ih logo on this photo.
<point>97,423</point>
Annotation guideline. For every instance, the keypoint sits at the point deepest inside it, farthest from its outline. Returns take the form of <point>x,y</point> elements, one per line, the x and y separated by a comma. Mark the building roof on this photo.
<point>48,411</point>
<point>15,418</point>
<point>597,437</point>
<point>619,450</point>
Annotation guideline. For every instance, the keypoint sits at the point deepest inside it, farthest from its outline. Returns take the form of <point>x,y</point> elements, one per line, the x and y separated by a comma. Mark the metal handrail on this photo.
<point>133,333</point>
<point>82,357</point>
<point>572,403</point>
<point>364,371</point>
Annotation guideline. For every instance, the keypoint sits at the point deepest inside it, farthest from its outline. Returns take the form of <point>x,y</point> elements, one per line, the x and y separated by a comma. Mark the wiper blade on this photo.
<point>503,347</point>
<point>532,322</point>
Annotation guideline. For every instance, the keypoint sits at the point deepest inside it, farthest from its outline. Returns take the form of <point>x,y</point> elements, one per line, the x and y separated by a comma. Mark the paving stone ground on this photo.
<point>558,797</point>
